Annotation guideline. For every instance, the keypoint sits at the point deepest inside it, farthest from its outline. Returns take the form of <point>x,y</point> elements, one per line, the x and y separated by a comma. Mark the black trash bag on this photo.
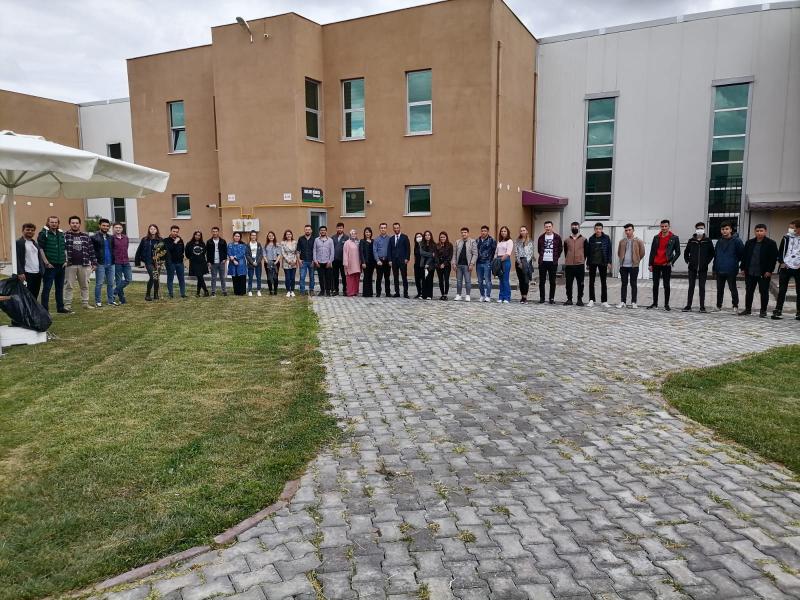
<point>22,307</point>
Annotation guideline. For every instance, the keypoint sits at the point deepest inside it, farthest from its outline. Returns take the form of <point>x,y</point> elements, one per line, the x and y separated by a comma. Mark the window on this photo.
<point>353,203</point>
<point>312,109</point>
<point>418,200</point>
<point>183,208</point>
<point>728,140</point>
<point>118,210</point>
<point>177,127</point>
<point>420,102</point>
<point>353,103</point>
<point>114,150</point>
<point>600,120</point>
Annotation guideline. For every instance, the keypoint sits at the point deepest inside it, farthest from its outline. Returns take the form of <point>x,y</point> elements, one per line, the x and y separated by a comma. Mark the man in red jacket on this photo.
<point>665,250</point>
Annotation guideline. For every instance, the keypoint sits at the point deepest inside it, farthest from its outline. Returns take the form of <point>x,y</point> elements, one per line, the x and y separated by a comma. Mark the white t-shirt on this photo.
<point>31,257</point>
<point>254,249</point>
<point>216,250</point>
<point>548,247</point>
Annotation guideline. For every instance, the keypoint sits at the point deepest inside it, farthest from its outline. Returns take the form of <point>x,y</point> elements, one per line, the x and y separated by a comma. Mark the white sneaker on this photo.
<point>98,304</point>
<point>288,294</point>
<point>482,299</point>
<point>249,293</point>
<point>590,304</point>
<point>505,301</point>
<point>634,305</point>
<point>735,310</point>
<point>467,299</point>
<point>258,293</point>
<point>457,297</point>
<point>621,305</point>
<point>606,305</point>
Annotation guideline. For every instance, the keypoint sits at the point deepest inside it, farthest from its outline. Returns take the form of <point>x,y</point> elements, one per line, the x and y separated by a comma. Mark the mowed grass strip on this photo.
<point>755,402</point>
<point>147,429</point>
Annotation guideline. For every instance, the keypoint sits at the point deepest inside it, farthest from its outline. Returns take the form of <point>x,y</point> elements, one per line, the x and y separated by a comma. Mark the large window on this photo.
<point>177,127</point>
<point>353,202</point>
<point>420,102</point>
<point>601,115</point>
<point>353,103</point>
<point>312,110</point>
<point>182,206</point>
<point>728,142</point>
<point>418,200</point>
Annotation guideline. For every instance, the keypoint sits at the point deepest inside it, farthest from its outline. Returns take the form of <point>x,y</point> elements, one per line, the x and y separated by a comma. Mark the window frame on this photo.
<point>174,129</point>
<point>613,145</point>
<point>175,214</point>
<point>345,213</point>
<point>408,212</point>
<point>362,110</point>
<point>409,104</point>
<point>315,111</point>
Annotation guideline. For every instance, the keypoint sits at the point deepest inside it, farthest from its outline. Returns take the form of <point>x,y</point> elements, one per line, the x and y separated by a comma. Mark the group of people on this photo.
<point>65,259</point>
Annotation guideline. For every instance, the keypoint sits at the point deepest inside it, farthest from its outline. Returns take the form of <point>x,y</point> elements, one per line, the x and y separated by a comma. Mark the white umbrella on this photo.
<point>32,166</point>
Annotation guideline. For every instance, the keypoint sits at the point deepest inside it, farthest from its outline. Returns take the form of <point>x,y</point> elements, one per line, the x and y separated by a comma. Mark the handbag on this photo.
<point>497,267</point>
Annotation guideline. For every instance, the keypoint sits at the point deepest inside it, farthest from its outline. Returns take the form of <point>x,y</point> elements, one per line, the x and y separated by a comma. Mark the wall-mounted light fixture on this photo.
<point>245,26</point>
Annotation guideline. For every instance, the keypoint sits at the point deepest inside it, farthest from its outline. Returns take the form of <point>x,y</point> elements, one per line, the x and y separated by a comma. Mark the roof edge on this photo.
<point>167,52</point>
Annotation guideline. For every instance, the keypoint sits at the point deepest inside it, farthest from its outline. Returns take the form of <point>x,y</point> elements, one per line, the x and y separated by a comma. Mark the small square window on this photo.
<point>418,200</point>
<point>353,203</point>
<point>182,206</point>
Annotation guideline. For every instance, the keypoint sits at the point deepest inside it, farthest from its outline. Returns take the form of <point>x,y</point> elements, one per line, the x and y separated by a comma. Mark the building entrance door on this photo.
<point>317,218</point>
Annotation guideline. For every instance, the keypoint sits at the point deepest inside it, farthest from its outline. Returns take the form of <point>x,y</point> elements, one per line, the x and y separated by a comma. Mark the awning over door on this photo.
<point>773,201</point>
<point>541,200</point>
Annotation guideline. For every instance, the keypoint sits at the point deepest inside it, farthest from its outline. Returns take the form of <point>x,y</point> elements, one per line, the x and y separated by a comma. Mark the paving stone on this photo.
<point>245,581</point>
<point>138,593</point>
<point>296,586</point>
<point>214,587</point>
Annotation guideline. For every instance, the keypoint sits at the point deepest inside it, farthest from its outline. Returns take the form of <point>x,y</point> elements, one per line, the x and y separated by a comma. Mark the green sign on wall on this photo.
<point>311,195</point>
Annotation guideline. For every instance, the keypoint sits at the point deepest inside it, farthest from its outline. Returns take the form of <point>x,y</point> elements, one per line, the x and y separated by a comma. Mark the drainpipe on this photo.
<point>497,143</point>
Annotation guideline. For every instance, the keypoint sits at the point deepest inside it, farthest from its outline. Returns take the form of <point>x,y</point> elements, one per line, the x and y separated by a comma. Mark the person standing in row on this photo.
<point>81,261</point>
<point>174,248</point>
<point>339,272</point>
<point>198,262</point>
<point>427,255</point>
<point>789,268</point>
<point>382,266</point>
<point>758,262</point>
<point>524,254</point>
<point>51,241</point>
<point>698,255</point>
<point>727,256</point>
<point>505,248</point>
<point>664,251</point>
<point>30,260</point>
<point>217,255</point>
<point>254,257</point>
<point>103,243</point>
<point>550,247</point>
<point>123,274</point>
<point>237,264</point>
<point>289,260</point>
<point>305,247</point>
<point>399,253</point>
<point>149,247</point>
<point>323,261</point>
<point>351,261</point>
<point>599,260</point>
<point>630,252</point>
<point>366,250</point>
<point>576,249</point>
<point>272,255</point>
<point>465,255</point>
<point>444,256</point>
<point>417,265</point>
<point>487,247</point>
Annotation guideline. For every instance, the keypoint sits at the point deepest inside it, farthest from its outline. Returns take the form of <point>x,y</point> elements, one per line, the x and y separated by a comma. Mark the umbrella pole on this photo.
<point>12,228</point>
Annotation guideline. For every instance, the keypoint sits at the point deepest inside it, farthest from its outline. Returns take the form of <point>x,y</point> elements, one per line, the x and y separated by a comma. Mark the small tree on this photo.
<point>93,223</point>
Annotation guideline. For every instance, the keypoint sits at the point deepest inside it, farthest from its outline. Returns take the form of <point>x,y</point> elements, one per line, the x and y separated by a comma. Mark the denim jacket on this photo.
<point>486,249</point>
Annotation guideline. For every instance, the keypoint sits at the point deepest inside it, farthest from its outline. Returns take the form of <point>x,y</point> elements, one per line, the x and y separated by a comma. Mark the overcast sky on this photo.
<point>76,50</point>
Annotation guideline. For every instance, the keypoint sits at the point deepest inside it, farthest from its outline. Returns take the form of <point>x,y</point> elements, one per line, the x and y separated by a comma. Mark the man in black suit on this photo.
<point>399,254</point>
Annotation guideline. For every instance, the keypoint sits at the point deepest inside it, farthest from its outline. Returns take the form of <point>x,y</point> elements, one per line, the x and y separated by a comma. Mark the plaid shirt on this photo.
<point>79,249</point>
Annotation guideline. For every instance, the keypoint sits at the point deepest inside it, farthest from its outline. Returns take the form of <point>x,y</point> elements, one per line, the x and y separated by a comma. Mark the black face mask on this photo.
<point>575,230</point>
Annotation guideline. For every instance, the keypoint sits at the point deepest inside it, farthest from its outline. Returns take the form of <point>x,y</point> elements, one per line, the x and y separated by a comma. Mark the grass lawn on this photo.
<point>755,402</point>
<point>147,429</point>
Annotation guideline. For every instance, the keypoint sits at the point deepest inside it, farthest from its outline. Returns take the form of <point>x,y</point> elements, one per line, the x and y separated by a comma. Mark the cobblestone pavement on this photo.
<point>510,451</point>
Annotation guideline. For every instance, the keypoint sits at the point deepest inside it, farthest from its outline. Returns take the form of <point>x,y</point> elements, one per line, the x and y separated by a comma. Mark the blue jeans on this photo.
<point>172,270</point>
<point>288,277</point>
<point>104,274</point>
<point>51,276</point>
<point>122,277</point>
<point>253,272</point>
<point>306,266</point>
<point>505,284</point>
<point>485,278</point>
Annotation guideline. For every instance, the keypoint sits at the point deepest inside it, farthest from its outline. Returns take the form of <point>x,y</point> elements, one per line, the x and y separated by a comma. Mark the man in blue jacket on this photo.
<point>598,258</point>
<point>486,246</point>
<point>399,254</point>
<point>381,251</point>
<point>727,256</point>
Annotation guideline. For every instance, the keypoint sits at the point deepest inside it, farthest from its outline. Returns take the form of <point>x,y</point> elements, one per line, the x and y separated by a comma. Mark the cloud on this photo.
<point>76,51</point>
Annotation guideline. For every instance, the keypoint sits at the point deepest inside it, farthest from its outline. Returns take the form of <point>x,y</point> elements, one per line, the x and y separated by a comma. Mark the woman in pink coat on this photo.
<point>352,263</point>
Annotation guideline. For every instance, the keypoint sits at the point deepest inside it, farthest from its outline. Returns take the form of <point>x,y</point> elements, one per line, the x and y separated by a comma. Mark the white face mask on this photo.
<point>419,238</point>
<point>700,232</point>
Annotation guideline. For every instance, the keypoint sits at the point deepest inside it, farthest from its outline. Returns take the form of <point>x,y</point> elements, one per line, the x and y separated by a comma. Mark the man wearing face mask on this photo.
<point>698,255</point>
<point>789,268</point>
<point>575,251</point>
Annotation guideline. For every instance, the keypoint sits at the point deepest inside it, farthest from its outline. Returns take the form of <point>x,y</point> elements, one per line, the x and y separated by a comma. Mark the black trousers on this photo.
<point>698,278</point>
<point>338,273</point>
<point>523,280</point>
<point>33,281</point>
<point>730,280</point>
<point>751,282</point>
<point>272,280</point>
<point>382,277</point>
<point>366,290</point>
<point>784,275</point>
<point>326,275</point>
<point>444,279</point>
<point>603,270</point>
<point>418,277</point>
<point>547,270</point>
<point>397,270</point>
<point>427,283</point>
<point>661,272</point>
<point>575,273</point>
<point>201,284</point>
<point>629,274</point>
<point>239,284</point>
